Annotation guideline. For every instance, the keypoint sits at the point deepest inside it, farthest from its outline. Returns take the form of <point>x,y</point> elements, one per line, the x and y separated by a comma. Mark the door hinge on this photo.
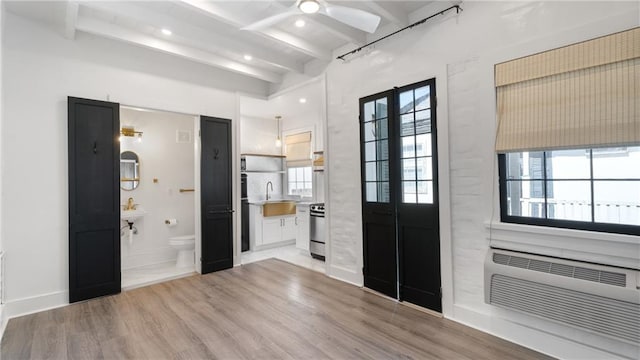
<point>435,101</point>
<point>199,133</point>
<point>441,292</point>
<point>363,270</point>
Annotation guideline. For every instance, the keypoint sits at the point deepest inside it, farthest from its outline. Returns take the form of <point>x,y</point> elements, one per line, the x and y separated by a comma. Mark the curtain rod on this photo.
<point>457,7</point>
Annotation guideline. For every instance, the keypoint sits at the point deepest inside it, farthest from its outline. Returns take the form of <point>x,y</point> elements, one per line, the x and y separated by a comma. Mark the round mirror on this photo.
<point>129,170</point>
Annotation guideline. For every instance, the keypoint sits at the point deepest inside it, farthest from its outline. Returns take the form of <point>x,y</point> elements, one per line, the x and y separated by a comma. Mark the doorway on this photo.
<point>109,168</point>
<point>400,194</point>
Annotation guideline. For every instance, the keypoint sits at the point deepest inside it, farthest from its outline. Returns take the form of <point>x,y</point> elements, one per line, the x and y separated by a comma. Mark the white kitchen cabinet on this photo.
<point>302,227</point>
<point>271,230</point>
<point>265,231</point>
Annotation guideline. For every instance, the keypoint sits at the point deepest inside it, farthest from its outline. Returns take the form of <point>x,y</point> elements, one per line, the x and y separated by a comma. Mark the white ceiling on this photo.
<point>208,32</point>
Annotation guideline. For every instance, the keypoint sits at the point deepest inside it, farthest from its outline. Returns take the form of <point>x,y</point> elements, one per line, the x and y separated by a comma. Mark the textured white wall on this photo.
<point>41,69</point>
<point>172,163</point>
<point>460,52</point>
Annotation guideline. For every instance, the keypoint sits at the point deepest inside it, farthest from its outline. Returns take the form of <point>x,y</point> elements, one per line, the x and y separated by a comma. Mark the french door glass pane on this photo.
<point>406,124</point>
<point>425,192</point>
<point>381,108</point>
<point>372,192</point>
<point>383,192</point>
<point>569,200</point>
<point>423,145</point>
<point>292,174</point>
<point>409,192</point>
<point>408,147</point>
<point>406,102</point>
<point>307,173</point>
<point>382,129</point>
<point>422,98</point>
<point>383,170</point>
<point>617,202</point>
<point>383,149</point>
<point>370,151</point>
<point>424,169</point>
<point>369,131</point>
<point>423,122</point>
<point>370,171</point>
<point>369,111</point>
<point>409,169</point>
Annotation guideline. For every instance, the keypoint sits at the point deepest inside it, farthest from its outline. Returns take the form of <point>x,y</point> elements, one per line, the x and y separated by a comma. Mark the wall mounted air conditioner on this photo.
<point>599,299</point>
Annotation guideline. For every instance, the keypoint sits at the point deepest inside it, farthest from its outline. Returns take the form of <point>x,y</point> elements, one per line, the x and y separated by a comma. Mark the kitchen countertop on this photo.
<point>298,202</point>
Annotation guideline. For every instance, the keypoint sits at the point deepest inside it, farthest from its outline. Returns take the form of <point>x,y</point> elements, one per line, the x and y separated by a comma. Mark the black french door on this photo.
<point>400,194</point>
<point>94,198</point>
<point>378,205</point>
<point>216,187</point>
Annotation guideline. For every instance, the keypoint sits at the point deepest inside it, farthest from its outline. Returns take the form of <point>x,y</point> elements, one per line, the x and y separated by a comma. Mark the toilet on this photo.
<point>185,245</point>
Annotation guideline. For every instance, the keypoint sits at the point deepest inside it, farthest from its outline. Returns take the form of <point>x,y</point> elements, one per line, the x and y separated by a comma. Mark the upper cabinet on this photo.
<point>261,163</point>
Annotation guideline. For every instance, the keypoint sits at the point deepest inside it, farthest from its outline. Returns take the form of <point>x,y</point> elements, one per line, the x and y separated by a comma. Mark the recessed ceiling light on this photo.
<point>303,101</point>
<point>309,6</point>
<point>248,57</point>
<point>300,23</point>
<point>167,31</point>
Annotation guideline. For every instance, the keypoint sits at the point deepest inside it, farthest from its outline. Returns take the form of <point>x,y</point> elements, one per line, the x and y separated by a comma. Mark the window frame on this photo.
<point>299,182</point>
<point>555,223</point>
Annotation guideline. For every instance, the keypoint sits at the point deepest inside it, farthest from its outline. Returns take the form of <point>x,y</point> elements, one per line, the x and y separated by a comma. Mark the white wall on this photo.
<point>172,163</point>
<point>459,51</point>
<point>41,69</point>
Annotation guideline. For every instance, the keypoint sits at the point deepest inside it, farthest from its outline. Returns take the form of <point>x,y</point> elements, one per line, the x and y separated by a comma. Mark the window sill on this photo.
<point>596,247</point>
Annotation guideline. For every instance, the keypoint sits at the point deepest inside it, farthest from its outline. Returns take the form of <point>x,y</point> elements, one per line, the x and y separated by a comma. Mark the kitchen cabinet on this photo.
<point>302,227</point>
<point>270,230</point>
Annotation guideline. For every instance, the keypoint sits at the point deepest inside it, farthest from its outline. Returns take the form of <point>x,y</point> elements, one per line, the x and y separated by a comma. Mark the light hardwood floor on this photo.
<point>269,309</point>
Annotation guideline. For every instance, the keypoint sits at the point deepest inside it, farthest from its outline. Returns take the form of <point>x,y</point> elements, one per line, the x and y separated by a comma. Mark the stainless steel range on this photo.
<point>317,243</point>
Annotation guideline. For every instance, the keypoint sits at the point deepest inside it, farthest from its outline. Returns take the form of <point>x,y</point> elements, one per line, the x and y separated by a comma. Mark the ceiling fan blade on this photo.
<point>272,20</point>
<point>356,18</point>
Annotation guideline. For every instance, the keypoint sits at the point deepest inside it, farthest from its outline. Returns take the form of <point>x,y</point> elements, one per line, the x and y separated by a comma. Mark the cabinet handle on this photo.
<point>296,221</point>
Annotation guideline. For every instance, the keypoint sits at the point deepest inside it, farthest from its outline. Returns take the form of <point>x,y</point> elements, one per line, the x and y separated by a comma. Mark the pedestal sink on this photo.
<point>130,216</point>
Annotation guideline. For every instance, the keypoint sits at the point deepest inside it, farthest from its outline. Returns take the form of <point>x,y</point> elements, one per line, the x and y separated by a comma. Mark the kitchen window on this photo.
<point>589,189</point>
<point>300,181</point>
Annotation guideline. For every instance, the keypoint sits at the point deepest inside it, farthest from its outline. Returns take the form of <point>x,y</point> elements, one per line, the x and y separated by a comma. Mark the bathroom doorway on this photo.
<point>157,195</point>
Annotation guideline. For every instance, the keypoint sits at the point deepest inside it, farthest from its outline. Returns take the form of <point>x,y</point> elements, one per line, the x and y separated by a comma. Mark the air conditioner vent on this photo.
<point>582,273</point>
<point>612,317</point>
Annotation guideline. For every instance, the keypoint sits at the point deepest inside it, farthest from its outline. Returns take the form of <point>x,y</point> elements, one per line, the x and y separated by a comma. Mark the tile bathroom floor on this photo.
<point>152,274</point>
<point>288,253</point>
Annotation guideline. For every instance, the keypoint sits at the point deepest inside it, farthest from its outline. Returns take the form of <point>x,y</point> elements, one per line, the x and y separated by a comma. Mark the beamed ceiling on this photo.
<point>210,32</point>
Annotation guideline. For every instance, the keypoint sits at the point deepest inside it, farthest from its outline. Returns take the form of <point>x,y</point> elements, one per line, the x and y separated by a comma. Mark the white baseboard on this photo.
<point>552,344</point>
<point>343,274</point>
<point>33,304</point>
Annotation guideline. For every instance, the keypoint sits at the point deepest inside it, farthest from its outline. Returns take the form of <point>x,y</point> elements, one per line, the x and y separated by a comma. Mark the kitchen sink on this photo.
<point>278,208</point>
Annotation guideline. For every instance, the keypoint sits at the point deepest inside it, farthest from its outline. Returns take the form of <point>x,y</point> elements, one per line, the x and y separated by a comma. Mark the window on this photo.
<point>588,189</point>
<point>300,181</point>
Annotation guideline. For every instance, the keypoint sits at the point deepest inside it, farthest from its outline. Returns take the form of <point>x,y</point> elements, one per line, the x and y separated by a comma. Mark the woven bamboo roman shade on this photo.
<point>298,149</point>
<point>580,96</point>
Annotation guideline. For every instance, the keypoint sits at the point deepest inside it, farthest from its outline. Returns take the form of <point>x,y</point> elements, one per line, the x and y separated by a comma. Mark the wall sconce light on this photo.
<point>130,132</point>
<point>278,141</point>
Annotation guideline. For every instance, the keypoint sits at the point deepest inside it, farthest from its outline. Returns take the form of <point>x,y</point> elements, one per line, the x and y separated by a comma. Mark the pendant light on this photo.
<point>278,141</point>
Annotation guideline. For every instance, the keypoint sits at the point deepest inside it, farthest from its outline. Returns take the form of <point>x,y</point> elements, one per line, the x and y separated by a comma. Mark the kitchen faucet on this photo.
<point>269,183</point>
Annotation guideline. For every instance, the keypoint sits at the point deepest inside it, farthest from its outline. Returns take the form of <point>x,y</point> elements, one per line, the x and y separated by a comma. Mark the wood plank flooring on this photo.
<point>267,310</point>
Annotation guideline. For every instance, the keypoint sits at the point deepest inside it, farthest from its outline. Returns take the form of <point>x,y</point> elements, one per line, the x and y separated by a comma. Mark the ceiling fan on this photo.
<point>356,18</point>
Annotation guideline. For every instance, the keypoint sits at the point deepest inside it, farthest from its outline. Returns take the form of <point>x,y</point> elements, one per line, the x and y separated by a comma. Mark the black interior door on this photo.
<point>417,187</point>
<point>216,187</point>
<point>94,198</point>
<point>378,196</point>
